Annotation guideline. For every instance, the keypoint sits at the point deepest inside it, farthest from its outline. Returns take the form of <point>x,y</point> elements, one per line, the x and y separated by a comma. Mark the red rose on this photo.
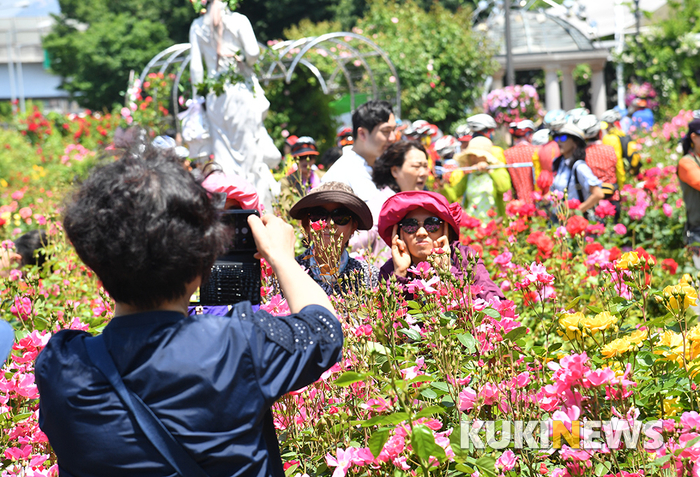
<point>669,265</point>
<point>576,225</point>
<point>592,248</point>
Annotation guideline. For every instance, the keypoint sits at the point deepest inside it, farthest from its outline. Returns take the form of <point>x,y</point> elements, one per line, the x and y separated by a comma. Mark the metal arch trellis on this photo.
<point>331,58</point>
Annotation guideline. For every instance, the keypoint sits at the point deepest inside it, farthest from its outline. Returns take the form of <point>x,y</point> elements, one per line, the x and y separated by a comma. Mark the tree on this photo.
<point>119,36</point>
<point>667,54</point>
<point>441,61</point>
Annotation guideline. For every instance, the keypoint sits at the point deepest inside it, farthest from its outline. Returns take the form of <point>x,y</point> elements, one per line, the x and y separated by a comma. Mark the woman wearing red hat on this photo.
<point>416,223</point>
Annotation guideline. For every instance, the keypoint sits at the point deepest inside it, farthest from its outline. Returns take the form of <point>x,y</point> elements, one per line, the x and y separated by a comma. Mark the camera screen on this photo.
<point>241,236</point>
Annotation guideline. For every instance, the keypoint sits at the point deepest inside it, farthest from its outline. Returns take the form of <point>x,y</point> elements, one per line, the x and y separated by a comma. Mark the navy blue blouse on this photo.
<point>210,379</point>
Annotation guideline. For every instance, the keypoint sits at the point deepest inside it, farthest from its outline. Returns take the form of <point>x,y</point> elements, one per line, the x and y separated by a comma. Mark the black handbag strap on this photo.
<point>152,427</point>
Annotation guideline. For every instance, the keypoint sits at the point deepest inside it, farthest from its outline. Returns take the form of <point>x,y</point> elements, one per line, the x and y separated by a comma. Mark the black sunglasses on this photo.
<point>340,216</point>
<point>411,226</point>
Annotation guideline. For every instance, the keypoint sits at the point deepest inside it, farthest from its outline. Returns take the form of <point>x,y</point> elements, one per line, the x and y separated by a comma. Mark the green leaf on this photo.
<point>349,377</point>
<point>515,334</point>
<point>388,419</point>
<point>468,341</point>
<point>413,334</point>
<point>492,313</point>
<point>290,471</point>
<point>646,359</point>
<point>423,443</point>
<point>441,386</point>
<point>377,440</point>
<point>487,465</point>
<point>430,410</point>
<point>572,303</point>
<point>428,394</point>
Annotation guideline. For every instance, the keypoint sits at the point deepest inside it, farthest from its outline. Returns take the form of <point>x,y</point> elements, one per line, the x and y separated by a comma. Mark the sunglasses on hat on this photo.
<point>340,216</point>
<point>411,226</point>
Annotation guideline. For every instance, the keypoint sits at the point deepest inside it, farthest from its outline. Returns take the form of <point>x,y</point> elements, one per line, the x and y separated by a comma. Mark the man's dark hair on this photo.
<point>369,115</point>
<point>30,247</point>
<point>145,226</point>
<point>330,156</point>
<point>393,156</point>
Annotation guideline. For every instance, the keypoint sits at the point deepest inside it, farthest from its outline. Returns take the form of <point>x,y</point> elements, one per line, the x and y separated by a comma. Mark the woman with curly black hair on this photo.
<point>402,167</point>
<point>160,393</point>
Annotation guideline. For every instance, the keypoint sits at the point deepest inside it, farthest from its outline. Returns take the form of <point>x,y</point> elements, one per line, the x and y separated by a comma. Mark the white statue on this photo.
<point>240,143</point>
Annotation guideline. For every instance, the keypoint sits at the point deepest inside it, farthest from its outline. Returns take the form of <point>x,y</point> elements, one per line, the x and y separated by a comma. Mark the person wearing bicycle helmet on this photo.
<point>302,176</point>
<point>572,174</point>
<point>522,151</point>
<point>625,147</point>
<point>602,159</point>
<point>553,117</point>
<point>484,125</point>
<point>344,137</point>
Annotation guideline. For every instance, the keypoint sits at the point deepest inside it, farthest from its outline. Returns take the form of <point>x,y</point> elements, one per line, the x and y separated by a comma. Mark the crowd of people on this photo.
<point>396,192</point>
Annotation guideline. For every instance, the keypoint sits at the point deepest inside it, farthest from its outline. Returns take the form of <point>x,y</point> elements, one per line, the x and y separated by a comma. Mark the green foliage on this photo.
<point>440,60</point>
<point>120,36</point>
<point>667,55</point>
<point>301,108</point>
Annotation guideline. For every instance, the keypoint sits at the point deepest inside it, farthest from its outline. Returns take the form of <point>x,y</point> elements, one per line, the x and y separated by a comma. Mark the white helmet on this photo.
<point>522,127</point>
<point>590,126</point>
<point>575,114</point>
<point>463,132</point>
<point>446,145</point>
<point>554,116</point>
<point>419,127</point>
<point>610,116</point>
<point>541,137</point>
<point>481,122</point>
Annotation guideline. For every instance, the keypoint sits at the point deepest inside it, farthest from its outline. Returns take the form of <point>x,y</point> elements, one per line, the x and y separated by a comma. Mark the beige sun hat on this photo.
<point>479,146</point>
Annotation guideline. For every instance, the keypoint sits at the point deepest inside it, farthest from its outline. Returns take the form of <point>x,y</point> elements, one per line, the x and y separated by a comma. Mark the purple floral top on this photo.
<point>488,289</point>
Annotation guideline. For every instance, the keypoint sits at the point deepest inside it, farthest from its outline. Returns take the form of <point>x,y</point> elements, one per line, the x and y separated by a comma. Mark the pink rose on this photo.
<point>620,229</point>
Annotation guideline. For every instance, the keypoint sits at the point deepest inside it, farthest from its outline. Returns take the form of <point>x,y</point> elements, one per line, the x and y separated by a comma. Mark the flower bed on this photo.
<point>595,336</point>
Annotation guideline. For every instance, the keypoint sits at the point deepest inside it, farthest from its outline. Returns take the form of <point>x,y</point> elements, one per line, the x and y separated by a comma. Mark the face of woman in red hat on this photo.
<point>416,236</point>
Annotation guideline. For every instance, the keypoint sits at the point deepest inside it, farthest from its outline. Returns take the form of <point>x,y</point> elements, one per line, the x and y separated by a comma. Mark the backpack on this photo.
<point>632,161</point>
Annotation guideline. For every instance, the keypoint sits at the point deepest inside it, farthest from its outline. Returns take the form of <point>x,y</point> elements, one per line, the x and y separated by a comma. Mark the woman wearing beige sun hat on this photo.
<point>481,190</point>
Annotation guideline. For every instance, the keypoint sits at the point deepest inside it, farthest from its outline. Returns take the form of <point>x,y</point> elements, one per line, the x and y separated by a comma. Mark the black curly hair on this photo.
<point>31,247</point>
<point>145,226</point>
<point>393,157</point>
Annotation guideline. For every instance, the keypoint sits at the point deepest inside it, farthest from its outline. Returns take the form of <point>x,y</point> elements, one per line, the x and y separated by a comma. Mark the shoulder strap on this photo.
<point>574,172</point>
<point>152,427</point>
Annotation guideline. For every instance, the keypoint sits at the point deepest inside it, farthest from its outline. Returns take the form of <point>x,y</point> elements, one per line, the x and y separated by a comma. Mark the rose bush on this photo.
<point>597,324</point>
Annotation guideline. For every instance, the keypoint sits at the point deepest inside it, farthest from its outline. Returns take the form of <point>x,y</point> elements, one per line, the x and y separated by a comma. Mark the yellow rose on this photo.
<point>628,261</point>
<point>674,341</point>
<point>615,348</point>
<point>570,323</point>
<point>687,279</point>
<point>600,322</point>
<point>672,406</point>
<point>689,294</point>
<point>694,333</point>
<point>638,336</point>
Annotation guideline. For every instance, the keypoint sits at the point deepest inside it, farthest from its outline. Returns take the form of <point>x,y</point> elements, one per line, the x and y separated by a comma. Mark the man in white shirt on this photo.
<point>374,130</point>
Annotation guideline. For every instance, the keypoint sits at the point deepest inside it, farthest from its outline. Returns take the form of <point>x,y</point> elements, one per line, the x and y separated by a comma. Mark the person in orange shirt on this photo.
<point>689,177</point>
